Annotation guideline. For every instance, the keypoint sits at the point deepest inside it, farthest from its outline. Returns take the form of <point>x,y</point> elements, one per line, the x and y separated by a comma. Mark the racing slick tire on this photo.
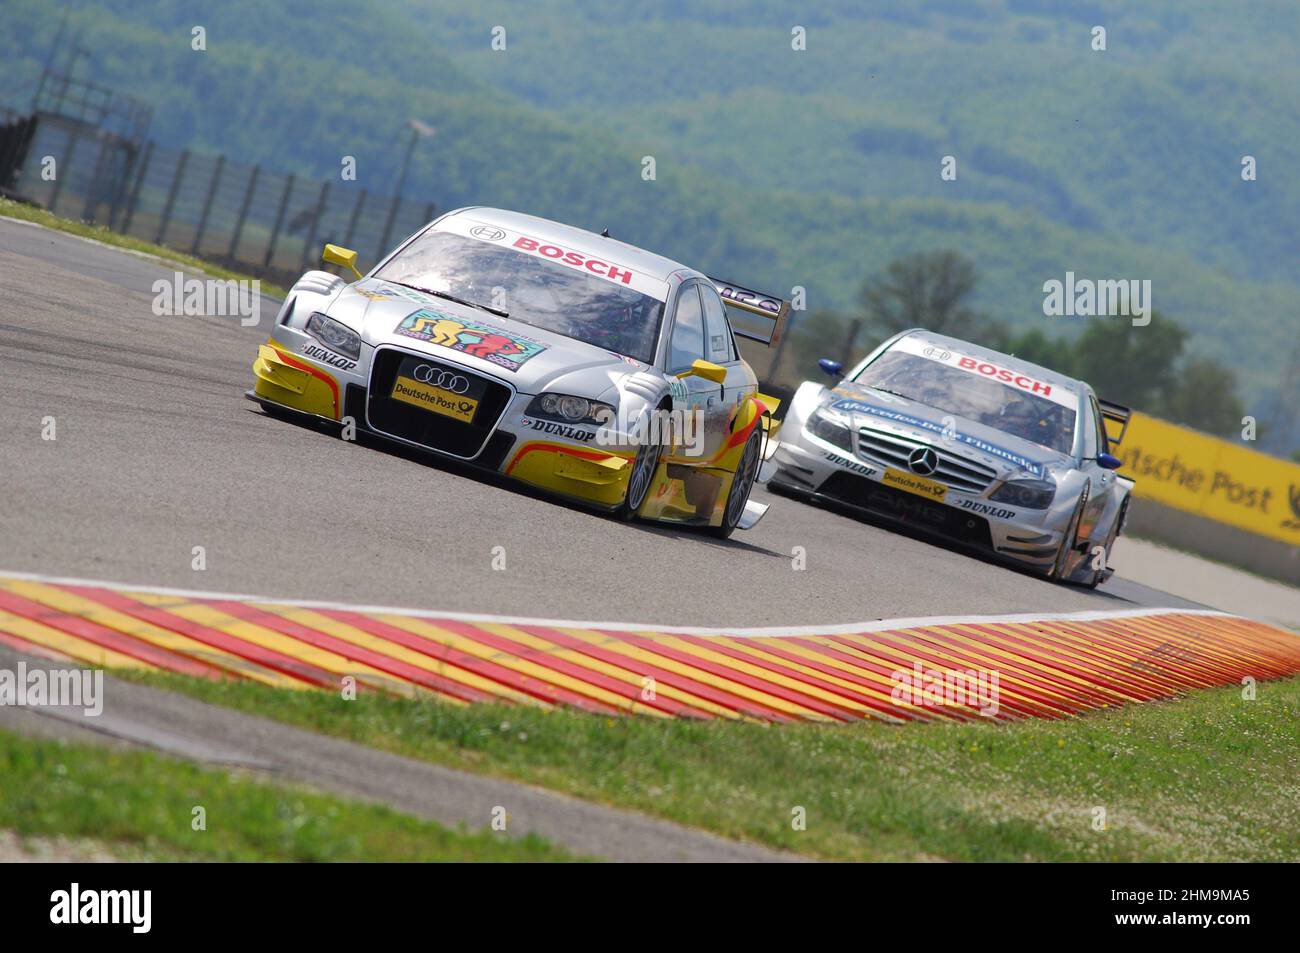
<point>741,485</point>
<point>638,484</point>
<point>1061,565</point>
<point>1100,574</point>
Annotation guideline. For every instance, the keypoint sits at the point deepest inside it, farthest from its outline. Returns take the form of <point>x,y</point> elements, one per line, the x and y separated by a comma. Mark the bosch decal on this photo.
<point>984,368</point>
<point>573,259</point>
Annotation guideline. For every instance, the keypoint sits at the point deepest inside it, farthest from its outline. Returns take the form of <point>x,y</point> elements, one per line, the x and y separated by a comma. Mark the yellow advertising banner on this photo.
<point>1213,478</point>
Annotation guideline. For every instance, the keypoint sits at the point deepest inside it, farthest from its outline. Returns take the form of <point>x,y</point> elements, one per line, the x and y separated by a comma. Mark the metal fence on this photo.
<point>245,217</point>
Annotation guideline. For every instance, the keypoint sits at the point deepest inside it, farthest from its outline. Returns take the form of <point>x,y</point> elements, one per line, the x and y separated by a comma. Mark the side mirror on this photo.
<point>833,368</point>
<point>1108,461</point>
<point>338,255</point>
<point>706,369</point>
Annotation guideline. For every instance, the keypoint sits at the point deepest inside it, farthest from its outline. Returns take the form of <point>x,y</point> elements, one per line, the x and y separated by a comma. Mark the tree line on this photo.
<point>1149,368</point>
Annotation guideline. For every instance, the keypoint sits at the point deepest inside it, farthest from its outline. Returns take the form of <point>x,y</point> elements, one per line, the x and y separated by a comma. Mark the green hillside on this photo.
<point>774,167</point>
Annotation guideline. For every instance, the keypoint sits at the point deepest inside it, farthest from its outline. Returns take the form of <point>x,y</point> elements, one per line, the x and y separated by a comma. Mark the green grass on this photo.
<point>139,806</point>
<point>31,213</point>
<point>1207,777</point>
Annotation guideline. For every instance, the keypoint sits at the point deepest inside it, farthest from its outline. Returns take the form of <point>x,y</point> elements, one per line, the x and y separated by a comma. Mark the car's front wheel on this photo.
<point>741,485</point>
<point>1061,567</point>
<point>643,474</point>
<point>1103,558</point>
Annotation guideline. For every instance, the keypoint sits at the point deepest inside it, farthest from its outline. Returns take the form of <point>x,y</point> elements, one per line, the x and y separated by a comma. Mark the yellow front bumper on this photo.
<point>284,379</point>
<point>595,476</point>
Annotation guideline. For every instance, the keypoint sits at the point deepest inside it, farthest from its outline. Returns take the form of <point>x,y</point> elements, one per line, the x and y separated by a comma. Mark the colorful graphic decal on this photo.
<point>477,340</point>
<point>858,407</point>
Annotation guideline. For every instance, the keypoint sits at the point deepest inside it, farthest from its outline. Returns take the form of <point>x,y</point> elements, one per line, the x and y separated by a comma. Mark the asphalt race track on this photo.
<point>157,452</point>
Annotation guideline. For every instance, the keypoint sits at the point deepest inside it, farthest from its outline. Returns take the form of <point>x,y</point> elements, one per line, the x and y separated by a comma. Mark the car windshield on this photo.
<point>962,394</point>
<point>532,291</point>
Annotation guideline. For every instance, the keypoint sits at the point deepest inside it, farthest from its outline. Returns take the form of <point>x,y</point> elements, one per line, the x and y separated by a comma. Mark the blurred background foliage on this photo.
<point>815,169</point>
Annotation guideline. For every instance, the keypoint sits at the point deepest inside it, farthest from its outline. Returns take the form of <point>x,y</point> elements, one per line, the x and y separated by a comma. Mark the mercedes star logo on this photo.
<point>923,461</point>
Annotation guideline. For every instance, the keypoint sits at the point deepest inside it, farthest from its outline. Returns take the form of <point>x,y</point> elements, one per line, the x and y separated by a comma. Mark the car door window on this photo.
<point>717,340</point>
<point>687,345</point>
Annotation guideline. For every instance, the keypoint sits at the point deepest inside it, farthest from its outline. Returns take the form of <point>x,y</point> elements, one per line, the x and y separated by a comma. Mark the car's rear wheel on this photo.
<point>1069,541</point>
<point>741,485</point>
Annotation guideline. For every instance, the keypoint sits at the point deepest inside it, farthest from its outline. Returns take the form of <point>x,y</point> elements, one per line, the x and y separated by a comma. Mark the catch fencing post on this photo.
<point>314,227</point>
<point>243,212</point>
<point>388,226</point>
<point>92,190</point>
<point>63,169</point>
<point>171,196</point>
<point>135,189</point>
<point>352,222</point>
<point>279,222</point>
<point>207,205</point>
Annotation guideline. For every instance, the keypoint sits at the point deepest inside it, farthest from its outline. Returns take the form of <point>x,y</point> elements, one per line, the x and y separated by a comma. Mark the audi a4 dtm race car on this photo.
<point>967,443</point>
<point>567,360</point>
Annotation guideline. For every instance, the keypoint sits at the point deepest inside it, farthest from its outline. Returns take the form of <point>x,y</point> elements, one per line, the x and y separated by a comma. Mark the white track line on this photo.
<point>877,625</point>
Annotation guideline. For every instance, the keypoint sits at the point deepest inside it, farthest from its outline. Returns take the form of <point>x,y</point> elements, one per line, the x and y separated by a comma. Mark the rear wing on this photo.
<point>754,302</point>
<point>1114,414</point>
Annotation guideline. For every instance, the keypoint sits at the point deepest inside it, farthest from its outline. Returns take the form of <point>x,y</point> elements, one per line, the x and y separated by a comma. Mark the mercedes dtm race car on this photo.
<point>967,443</point>
<point>568,360</point>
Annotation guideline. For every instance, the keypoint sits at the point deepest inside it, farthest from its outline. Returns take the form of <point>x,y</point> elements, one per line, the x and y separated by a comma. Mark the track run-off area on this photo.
<point>158,457</point>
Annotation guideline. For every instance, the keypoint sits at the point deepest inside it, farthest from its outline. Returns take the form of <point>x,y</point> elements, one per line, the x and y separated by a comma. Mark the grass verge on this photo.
<point>140,805</point>
<point>1208,777</point>
<point>32,213</point>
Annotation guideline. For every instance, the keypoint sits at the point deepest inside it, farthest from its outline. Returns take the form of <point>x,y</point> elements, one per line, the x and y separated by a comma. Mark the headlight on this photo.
<point>1031,494</point>
<point>831,430</point>
<point>570,409</point>
<point>335,336</point>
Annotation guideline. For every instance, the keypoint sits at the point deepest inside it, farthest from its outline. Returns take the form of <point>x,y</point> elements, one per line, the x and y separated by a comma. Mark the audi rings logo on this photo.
<point>436,376</point>
<point>487,233</point>
<point>923,461</point>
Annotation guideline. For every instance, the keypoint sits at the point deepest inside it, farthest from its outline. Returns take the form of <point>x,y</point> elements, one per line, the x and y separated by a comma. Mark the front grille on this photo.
<point>397,418</point>
<point>893,450</point>
<point>496,451</point>
<point>907,508</point>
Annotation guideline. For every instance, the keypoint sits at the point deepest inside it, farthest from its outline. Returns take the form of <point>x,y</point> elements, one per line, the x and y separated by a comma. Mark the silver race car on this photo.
<point>967,443</point>
<point>568,360</point>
